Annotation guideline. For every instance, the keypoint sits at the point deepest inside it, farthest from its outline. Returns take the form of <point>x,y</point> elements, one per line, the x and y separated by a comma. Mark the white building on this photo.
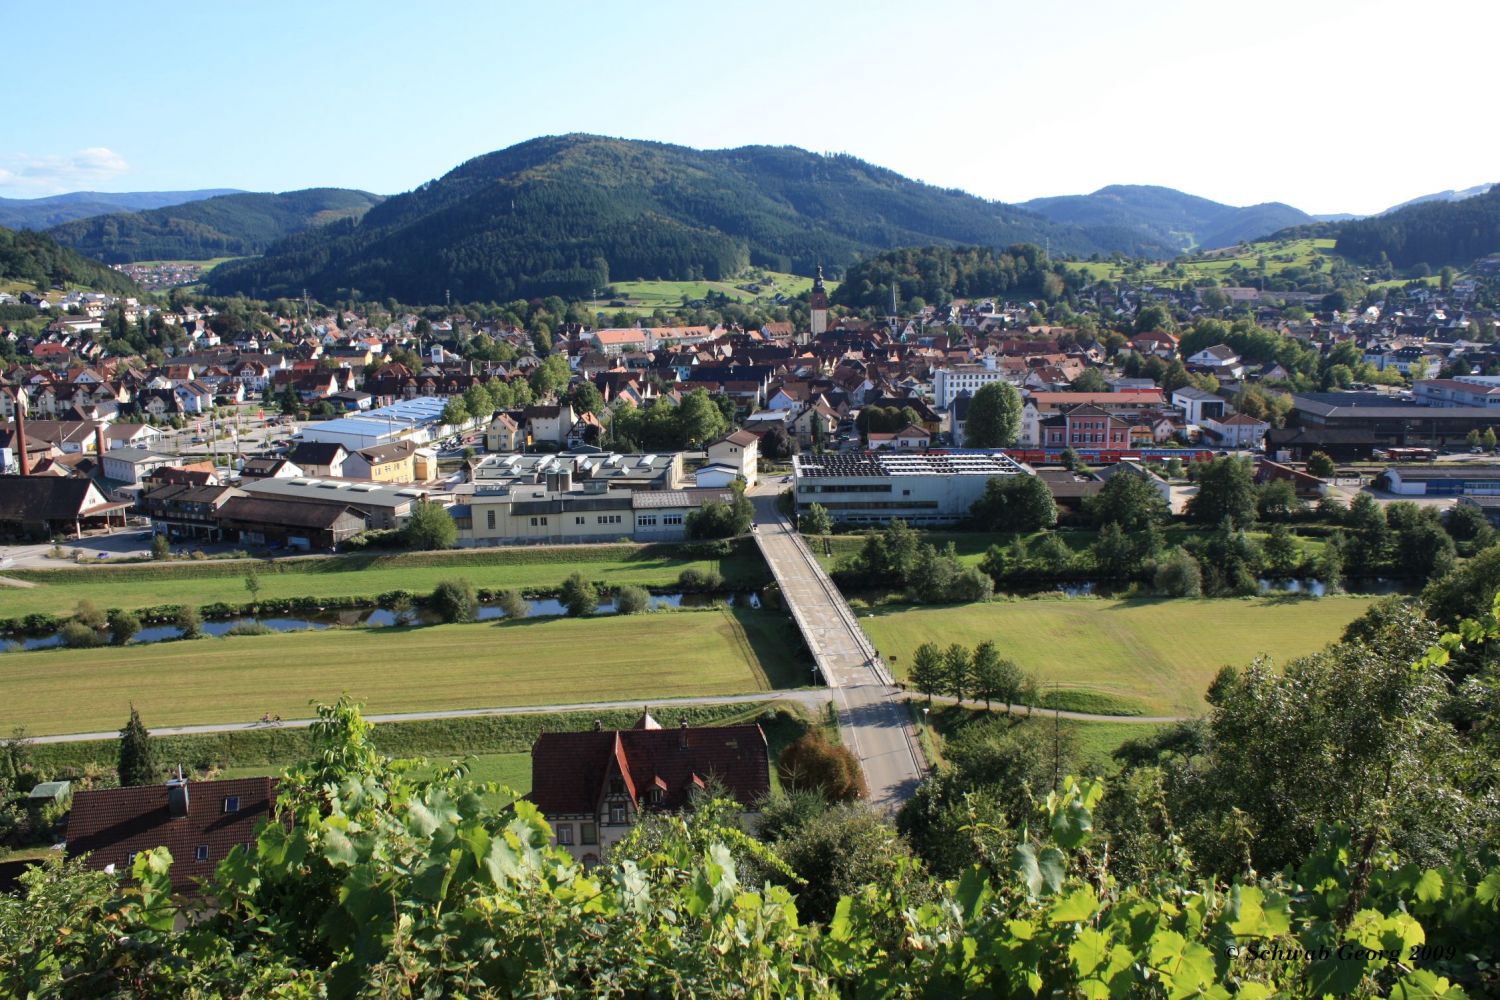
<point>949,383</point>
<point>873,488</point>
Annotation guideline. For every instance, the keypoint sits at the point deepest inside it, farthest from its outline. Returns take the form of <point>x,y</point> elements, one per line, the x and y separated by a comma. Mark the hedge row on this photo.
<point>426,738</point>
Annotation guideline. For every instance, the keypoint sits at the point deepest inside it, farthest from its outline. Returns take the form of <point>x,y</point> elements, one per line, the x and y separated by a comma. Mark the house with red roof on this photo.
<point>199,822</point>
<point>594,786</point>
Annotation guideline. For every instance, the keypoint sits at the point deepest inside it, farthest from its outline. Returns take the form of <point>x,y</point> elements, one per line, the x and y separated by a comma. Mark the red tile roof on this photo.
<point>112,823</point>
<point>569,770</point>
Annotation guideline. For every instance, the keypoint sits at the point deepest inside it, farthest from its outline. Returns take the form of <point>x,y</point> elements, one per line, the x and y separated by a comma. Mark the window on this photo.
<point>588,833</point>
<point>565,834</point>
<point>231,803</point>
<point>489,519</point>
<point>579,519</point>
<point>646,521</point>
<point>538,521</point>
<point>130,858</point>
<point>671,519</point>
<point>617,815</point>
<point>201,852</point>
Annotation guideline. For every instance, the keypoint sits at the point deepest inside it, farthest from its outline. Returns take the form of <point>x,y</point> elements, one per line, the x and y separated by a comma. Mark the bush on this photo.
<point>816,521</point>
<point>1178,575</point>
<point>190,621</point>
<point>971,584</point>
<point>250,628</point>
<point>455,601</point>
<point>87,614</point>
<point>123,625</point>
<point>513,604</point>
<point>700,580</point>
<point>430,527</point>
<point>161,547</point>
<point>77,635</point>
<point>811,762</point>
<point>579,596</point>
<point>633,601</point>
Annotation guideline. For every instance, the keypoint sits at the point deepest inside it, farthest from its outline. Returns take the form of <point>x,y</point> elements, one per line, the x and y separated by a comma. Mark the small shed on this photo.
<point>50,793</point>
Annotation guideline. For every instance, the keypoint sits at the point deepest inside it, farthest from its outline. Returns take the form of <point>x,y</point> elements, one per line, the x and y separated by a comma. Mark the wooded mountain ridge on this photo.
<point>231,225</point>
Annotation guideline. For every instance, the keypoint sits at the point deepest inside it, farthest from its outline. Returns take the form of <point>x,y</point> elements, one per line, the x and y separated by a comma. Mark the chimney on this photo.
<point>99,444</point>
<point>598,725</point>
<point>177,796</point>
<point>19,395</point>
<point>682,735</point>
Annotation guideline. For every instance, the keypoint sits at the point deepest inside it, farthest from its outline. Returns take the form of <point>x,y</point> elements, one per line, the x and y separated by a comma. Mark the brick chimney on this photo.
<point>99,445</point>
<point>19,396</point>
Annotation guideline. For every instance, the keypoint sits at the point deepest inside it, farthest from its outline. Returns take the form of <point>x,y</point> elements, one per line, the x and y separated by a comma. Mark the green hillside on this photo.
<point>30,259</point>
<point>232,225</point>
<point>571,214</point>
<point>1435,233</point>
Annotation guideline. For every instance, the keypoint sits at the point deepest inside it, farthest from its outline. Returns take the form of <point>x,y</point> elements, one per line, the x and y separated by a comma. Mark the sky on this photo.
<point>1327,105</point>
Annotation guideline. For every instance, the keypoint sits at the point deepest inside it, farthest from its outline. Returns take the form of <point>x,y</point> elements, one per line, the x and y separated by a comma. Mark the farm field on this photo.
<point>647,296</point>
<point>142,585</point>
<point>1280,255</point>
<point>529,662</point>
<point>1147,657</point>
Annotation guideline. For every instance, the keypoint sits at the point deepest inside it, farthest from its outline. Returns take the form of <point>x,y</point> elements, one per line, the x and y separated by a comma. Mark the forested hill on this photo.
<point>54,210</point>
<point>231,225</point>
<point>36,259</point>
<point>937,275</point>
<point>568,214</point>
<point>1150,221</point>
<point>1432,232</point>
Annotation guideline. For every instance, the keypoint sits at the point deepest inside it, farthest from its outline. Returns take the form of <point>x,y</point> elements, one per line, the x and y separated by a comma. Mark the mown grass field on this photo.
<point>140,585</point>
<point>1147,657</point>
<point>527,662</point>
<point>647,296</point>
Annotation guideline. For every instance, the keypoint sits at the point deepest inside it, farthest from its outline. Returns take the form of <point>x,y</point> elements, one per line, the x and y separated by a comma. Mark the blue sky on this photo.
<point>1329,105</point>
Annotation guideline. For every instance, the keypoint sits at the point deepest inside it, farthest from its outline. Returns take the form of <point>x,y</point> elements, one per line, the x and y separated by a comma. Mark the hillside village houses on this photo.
<point>548,472</point>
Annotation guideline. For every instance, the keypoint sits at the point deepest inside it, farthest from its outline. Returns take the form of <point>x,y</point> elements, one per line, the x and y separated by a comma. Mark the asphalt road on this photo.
<point>873,718</point>
<point>812,699</point>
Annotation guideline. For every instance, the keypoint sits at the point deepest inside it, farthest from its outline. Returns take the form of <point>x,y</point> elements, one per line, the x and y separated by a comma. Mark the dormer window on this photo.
<point>231,803</point>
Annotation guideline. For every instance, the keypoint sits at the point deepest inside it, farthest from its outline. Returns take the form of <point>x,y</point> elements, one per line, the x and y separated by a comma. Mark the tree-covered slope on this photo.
<point>1432,232</point>
<point>54,210</point>
<point>937,275</point>
<point>37,259</point>
<point>568,214</point>
<point>227,226</point>
<point>1161,221</point>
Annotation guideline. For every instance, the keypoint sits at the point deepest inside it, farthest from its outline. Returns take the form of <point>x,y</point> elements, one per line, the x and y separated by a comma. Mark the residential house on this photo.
<point>321,458</point>
<point>549,424</point>
<point>740,451</point>
<point>1239,430</point>
<point>386,463</point>
<point>1198,405</point>
<point>592,787</point>
<point>199,822</point>
<point>504,433</point>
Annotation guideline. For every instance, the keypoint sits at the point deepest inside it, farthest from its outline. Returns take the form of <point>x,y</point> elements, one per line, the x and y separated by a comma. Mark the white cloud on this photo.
<point>35,175</point>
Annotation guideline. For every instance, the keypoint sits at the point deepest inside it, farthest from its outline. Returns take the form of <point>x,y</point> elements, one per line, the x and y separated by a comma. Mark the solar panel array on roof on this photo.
<point>877,464</point>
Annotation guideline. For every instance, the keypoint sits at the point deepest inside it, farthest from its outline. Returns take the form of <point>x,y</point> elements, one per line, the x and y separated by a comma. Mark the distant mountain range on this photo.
<point>1162,222</point>
<point>41,213</point>
<point>1469,192</point>
<point>566,215</point>
<point>231,225</point>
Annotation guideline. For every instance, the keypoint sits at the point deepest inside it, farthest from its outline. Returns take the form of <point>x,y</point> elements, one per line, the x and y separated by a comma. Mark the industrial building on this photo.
<point>662,471</point>
<point>418,420</point>
<point>1443,480</point>
<point>874,488</point>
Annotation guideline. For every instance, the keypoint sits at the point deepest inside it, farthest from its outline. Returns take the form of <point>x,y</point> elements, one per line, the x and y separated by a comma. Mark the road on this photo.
<point>873,718</point>
<point>813,700</point>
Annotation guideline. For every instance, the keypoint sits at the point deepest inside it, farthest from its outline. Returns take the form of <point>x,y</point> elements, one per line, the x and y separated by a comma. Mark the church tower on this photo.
<point>818,305</point>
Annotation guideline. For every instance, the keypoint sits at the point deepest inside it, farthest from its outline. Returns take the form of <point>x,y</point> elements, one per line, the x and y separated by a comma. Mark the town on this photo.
<point>471,525</point>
